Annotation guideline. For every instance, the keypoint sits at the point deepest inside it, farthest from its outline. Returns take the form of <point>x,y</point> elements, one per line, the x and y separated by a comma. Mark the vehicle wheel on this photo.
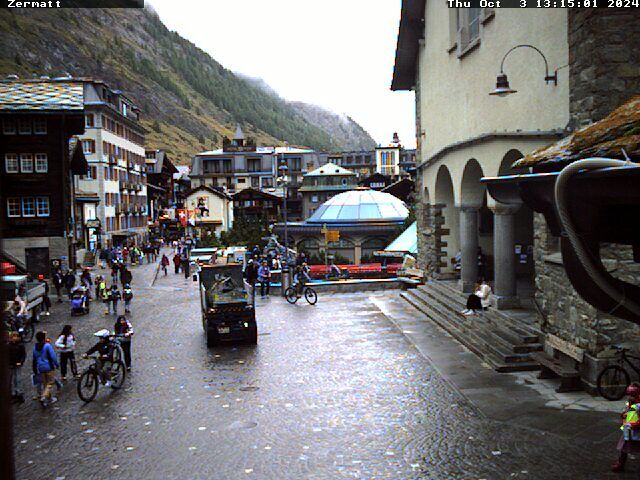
<point>290,295</point>
<point>27,333</point>
<point>118,354</point>
<point>211,338</point>
<point>252,339</point>
<point>613,382</point>
<point>118,374</point>
<point>88,386</point>
<point>311,296</point>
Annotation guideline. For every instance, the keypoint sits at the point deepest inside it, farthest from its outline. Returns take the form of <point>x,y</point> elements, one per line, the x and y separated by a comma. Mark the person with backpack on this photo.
<point>44,364</point>
<point>125,276</point>
<point>105,296</point>
<point>66,345</point>
<point>115,296</point>
<point>127,296</point>
<point>17,356</point>
<point>123,327</point>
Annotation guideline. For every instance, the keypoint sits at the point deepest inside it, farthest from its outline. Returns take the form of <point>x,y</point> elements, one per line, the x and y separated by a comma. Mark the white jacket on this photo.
<point>71,343</point>
<point>484,292</point>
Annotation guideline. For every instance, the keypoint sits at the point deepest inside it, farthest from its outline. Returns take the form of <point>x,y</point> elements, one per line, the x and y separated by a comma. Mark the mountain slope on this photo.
<point>345,132</point>
<point>188,100</point>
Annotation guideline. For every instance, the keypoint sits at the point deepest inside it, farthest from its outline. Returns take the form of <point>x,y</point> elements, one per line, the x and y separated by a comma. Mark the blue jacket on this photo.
<point>44,358</point>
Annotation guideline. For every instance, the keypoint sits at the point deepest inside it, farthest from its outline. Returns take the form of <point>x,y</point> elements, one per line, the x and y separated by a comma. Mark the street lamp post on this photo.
<point>284,168</point>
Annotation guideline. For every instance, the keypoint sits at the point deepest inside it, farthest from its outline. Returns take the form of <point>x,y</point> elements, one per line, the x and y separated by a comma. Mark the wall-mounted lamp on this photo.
<point>502,82</point>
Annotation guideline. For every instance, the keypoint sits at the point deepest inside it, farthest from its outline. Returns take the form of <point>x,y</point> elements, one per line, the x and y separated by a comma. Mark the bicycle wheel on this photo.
<point>27,333</point>
<point>118,354</point>
<point>291,295</point>
<point>88,386</point>
<point>613,382</point>
<point>118,374</point>
<point>311,296</point>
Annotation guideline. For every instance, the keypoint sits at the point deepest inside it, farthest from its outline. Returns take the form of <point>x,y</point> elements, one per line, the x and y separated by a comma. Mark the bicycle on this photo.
<point>22,325</point>
<point>118,353</point>
<point>292,296</point>
<point>90,379</point>
<point>613,380</point>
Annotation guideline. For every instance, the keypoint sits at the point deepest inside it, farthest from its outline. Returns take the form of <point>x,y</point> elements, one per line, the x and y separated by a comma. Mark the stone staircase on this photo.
<point>501,341</point>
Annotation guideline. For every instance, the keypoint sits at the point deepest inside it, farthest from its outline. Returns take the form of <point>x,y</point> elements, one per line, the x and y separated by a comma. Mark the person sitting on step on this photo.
<point>479,299</point>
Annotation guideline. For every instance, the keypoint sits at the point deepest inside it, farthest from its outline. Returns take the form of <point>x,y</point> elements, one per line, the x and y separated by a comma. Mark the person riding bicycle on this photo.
<point>630,440</point>
<point>104,348</point>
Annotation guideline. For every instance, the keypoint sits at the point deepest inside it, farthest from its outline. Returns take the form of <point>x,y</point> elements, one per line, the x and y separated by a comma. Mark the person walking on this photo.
<point>44,364</point>
<point>125,276</point>
<point>105,296</point>
<point>114,272</point>
<point>127,296</point>
<point>58,282</point>
<point>123,327</point>
<point>164,263</point>
<point>115,296</point>
<point>46,301</point>
<point>69,282</point>
<point>65,344</point>
<point>17,356</point>
<point>264,277</point>
<point>86,281</point>
<point>176,263</point>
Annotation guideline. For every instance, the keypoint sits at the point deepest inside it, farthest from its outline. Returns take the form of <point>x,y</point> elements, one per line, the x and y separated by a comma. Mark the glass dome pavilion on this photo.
<point>360,206</point>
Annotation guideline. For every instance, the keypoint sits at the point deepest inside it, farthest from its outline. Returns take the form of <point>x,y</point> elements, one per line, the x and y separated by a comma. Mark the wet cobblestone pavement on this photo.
<point>331,392</point>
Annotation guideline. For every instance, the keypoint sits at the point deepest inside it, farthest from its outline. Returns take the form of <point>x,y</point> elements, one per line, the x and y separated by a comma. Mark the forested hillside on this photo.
<point>188,100</point>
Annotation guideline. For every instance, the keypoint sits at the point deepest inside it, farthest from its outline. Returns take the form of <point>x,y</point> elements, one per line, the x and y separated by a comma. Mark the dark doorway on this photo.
<point>37,260</point>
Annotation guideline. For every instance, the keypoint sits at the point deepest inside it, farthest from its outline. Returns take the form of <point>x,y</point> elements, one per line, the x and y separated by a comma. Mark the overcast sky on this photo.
<point>338,54</point>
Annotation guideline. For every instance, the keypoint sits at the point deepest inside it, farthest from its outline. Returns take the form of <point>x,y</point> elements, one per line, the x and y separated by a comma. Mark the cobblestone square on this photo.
<point>331,391</point>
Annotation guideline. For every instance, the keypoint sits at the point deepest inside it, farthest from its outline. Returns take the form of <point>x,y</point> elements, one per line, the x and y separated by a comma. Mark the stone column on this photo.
<point>357,252</point>
<point>469,247</point>
<point>505,290</point>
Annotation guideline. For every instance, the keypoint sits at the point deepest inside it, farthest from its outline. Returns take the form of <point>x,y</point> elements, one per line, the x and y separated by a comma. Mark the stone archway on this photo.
<point>473,200</point>
<point>446,223</point>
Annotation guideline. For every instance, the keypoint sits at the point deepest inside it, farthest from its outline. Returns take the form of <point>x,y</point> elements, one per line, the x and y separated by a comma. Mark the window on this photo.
<point>314,199</point>
<point>26,163</point>
<point>24,126</point>
<point>8,126</point>
<point>11,163</point>
<point>344,182</point>
<point>466,22</point>
<point>28,207</point>
<point>254,165</point>
<point>89,120</point>
<point>255,182</point>
<point>89,146</point>
<point>13,207</point>
<point>42,163</point>
<point>40,126</point>
<point>244,180</point>
<point>42,205</point>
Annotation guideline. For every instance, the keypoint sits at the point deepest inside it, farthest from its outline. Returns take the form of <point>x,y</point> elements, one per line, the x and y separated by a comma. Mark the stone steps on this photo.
<point>526,333</point>
<point>504,349</point>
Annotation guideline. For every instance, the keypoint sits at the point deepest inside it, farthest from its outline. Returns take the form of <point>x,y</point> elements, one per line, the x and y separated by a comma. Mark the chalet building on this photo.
<point>376,181</point>
<point>323,183</point>
<point>39,117</point>
<point>210,210</point>
<point>256,205</point>
<point>160,183</point>
<point>241,164</point>
<point>113,143</point>
<point>181,185</point>
<point>459,144</point>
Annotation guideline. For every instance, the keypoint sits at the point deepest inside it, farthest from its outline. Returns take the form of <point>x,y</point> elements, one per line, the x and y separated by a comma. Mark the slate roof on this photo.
<point>44,96</point>
<point>619,131</point>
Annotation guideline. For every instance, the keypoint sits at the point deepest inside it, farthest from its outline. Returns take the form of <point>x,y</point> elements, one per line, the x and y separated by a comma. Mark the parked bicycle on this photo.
<point>292,295</point>
<point>94,376</point>
<point>613,380</point>
<point>21,324</point>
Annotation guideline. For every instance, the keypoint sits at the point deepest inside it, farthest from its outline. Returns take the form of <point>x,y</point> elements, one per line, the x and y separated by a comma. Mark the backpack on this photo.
<point>44,362</point>
<point>128,294</point>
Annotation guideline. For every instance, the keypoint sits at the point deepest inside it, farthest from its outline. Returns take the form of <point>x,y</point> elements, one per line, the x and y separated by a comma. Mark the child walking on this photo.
<point>66,345</point>
<point>127,295</point>
<point>115,297</point>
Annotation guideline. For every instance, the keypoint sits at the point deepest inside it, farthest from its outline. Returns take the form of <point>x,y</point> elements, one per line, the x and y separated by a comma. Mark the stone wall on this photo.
<point>567,315</point>
<point>430,246</point>
<point>604,61</point>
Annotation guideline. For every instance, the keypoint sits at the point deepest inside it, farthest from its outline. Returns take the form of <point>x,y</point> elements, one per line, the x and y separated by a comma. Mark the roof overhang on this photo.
<point>410,32</point>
